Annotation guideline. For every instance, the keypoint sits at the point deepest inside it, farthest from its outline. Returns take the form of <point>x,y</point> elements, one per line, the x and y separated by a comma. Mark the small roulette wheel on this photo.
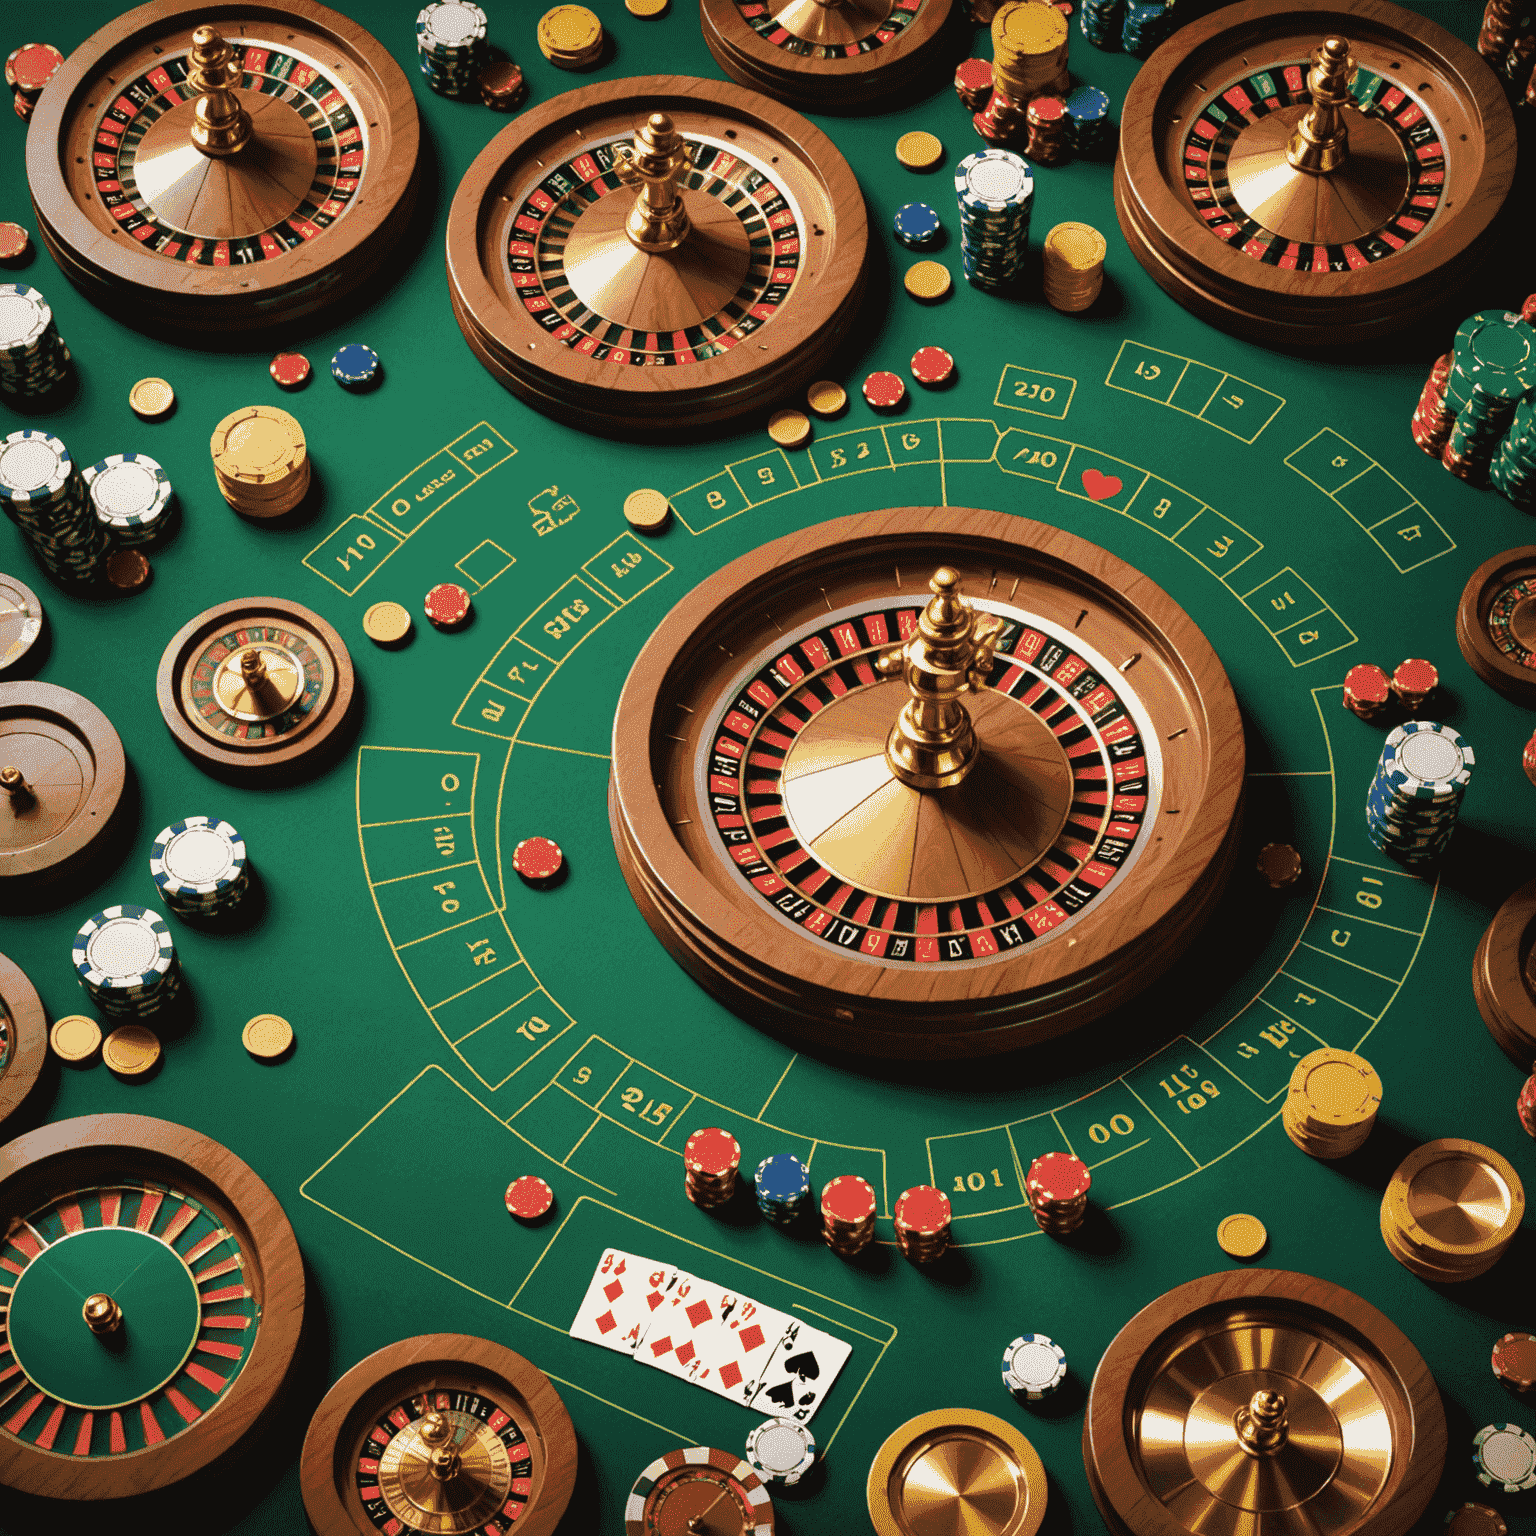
<point>223,177</point>
<point>1504,976</point>
<point>23,1037</point>
<point>656,254</point>
<point>830,55</point>
<point>154,1297</point>
<point>1496,623</point>
<point>61,781</point>
<point>926,782</point>
<point>1312,173</point>
<point>698,1490</point>
<point>443,1433</point>
<point>1262,1399</point>
<point>257,688</point>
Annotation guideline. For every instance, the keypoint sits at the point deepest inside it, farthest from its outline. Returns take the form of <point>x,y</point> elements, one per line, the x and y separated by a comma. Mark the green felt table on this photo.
<point>456,1028</point>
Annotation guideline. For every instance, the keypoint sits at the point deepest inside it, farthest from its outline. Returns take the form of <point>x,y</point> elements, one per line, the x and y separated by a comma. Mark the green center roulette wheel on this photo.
<point>442,1433</point>
<point>216,182</point>
<point>154,1297</point>
<point>1311,175</point>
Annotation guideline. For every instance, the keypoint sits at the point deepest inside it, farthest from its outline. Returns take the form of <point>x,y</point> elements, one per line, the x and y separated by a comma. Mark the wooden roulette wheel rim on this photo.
<point>435,1362</point>
<point>148,1165</point>
<point>1248,296</point>
<point>69,753</point>
<point>705,906</point>
<point>26,1045</point>
<point>312,741</point>
<point>21,622</point>
<point>838,82</point>
<point>1369,1429</point>
<point>749,134</point>
<point>1501,669</point>
<point>1499,969</point>
<point>309,255</point>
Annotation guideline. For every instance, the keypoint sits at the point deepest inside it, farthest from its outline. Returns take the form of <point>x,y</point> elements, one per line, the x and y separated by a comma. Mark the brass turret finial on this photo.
<point>220,125</point>
<point>1320,143</point>
<point>656,163</point>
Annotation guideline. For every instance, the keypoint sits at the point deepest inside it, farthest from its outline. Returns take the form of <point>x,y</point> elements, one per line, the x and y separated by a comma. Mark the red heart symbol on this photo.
<point>1100,487</point>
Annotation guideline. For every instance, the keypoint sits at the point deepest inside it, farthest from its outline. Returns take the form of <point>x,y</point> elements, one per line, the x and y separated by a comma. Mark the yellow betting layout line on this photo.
<point>782,1075</point>
<point>544,746</point>
<point>1136,1147</point>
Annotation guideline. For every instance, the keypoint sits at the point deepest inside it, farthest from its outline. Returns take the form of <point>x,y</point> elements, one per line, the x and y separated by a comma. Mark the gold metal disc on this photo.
<point>1338,1088</point>
<point>75,1039</point>
<point>647,511</point>
<point>919,151</point>
<point>1242,1236</point>
<point>569,29</point>
<point>267,1036</point>
<point>1077,247</point>
<point>956,1472</point>
<point>1454,1201</point>
<point>387,623</point>
<point>257,443</point>
<point>131,1051</point>
<point>1028,29</point>
<point>790,429</point>
<point>831,23</point>
<point>151,399</point>
<point>928,280</point>
<point>827,398</point>
<point>646,7</point>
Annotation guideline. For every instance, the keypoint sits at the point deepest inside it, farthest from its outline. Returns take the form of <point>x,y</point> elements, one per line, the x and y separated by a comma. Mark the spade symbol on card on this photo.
<point>783,1395</point>
<point>804,1366</point>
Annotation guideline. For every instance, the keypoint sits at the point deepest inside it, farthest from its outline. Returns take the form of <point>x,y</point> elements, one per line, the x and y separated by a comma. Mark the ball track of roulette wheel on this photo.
<point>1339,1432</point>
<point>194,1300</point>
<point>445,1433</point>
<point>206,182</point>
<point>656,255</point>
<point>926,782</point>
<point>832,55</point>
<point>259,688</point>
<point>1315,173</point>
<point>23,1037</point>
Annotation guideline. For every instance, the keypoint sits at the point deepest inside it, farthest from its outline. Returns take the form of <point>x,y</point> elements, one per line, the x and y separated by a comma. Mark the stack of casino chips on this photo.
<point>995,191</point>
<point>1034,1366</point>
<point>1057,1185</point>
<point>783,1188</point>
<point>44,497</point>
<point>1088,121</point>
<point>1525,1105</point>
<point>451,45</point>
<point>848,1214</point>
<point>1003,121</point>
<point>33,358</point>
<point>922,1219</point>
<point>1072,269</point>
<point>1331,1103</point>
<point>1423,772</point>
<point>1029,51</point>
<point>1493,367</point>
<point>1145,27</point>
<point>126,961</point>
<point>199,865</point>
<point>130,494</point>
<point>1513,473</point>
<point>973,83</point>
<point>1501,22</point>
<point>1413,681</point>
<point>1049,140</point>
<point>1517,66</point>
<point>917,226</point>
<point>261,460</point>
<point>28,70</point>
<point>1367,691</point>
<point>1528,758</point>
<point>781,1452</point>
<point>711,1161</point>
<point>1100,21</point>
<point>1432,416</point>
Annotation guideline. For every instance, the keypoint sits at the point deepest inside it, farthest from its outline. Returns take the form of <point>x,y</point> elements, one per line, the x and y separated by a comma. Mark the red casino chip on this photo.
<point>1514,1361</point>
<point>973,83</point>
<point>32,66</point>
<point>1047,109</point>
<point>290,370</point>
<point>502,85</point>
<point>15,244</point>
<point>1413,681</point>
<point>538,860</point>
<point>1366,690</point>
<point>922,1211</point>
<point>447,605</point>
<point>1058,1177</point>
<point>885,391</point>
<point>529,1197</point>
<point>714,1153</point>
<point>933,366</point>
<point>848,1200</point>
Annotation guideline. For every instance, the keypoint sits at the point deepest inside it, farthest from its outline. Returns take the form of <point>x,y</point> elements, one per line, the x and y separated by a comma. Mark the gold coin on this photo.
<point>645,7</point>
<point>927,280</point>
<point>1336,1088</point>
<point>131,1051</point>
<point>387,623</point>
<point>790,429</point>
<point>919,151</point>
<point>1028,28</point>
<point>267,1036</point>
<point>75,1039</point>
<point>1243,1237</point>
<point>647,511</point>
<point>1077,247</point>
<point>826,398</point>
<point>258,442</point>
<point>151,399</point>
<point>569,29</point>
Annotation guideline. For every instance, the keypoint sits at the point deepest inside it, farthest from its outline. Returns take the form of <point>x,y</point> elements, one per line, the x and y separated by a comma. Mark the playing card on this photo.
<point>800,1373</point>
<point>623,1296</point>
<point>690,1317</point>
<point>739,1346</point>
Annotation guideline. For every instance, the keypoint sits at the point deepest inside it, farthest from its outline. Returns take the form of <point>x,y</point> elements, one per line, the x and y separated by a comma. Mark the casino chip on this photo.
<point>1504,1457</point>
<point>781,1451</point>
<point>388,624</point>
<point>1475,1520</point>
<point>15,245</point>
<point>75,1039</point>
<point>1033,1367</point>
<point>539,861</point>
<point>131,495</point>
<point>827,398</point>
<point>790,429</point>
<point>529,1197</point>
<point>1412,683</point>
<point>131,1052</point>
<point>647,511</point>
<point>1514,1361</point>
<point>1525,1104</point>
<point>125,959</point>
<point>782,1185</point>
<point>919,151</point>
<point>884,390</point>
<point>152,399</point>
<point>451,46</point>
<point>922,1221</point>
<point>1367,690</point>
<point>1280,865</point>
<point>289,370</point>
<point>199,865</point>
<point>447,605</point>
<point>502,86</point>
<point>128,570</point>
<point>928,281</point>
<point>711,1162</point>
<point>1241,1236</point>
<point>267,1037</point>
<point>917,226</point>
<point>933,367</point>
<point>355,366</point>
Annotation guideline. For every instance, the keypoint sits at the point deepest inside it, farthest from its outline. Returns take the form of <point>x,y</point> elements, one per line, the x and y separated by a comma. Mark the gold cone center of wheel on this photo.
<point>102,1314</point>
<point>1318,209</point>
<point>657,292</point>
<point>1459,1200</point>
<point>450,1483</point>
<point>867,827</point>
<point>1230,1455</point>
<point>234,198</point>
<point>258,682</point>
<point>831,23</point>
<point>56,786</point>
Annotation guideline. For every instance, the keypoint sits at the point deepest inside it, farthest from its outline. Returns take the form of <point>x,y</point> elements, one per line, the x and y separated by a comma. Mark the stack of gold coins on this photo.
<point>1074,266</point>
<point>570,36</point>
<point>1332,1103</point>
<point>261,460</point>
<point>1451,1210</point>
<point>1029,46</point>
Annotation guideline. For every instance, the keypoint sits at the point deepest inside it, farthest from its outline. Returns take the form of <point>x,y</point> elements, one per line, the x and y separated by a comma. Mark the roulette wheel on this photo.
<point>829,54</point>
<point>1496,623</point>
<point>259,688</point>
<point>698,1490</point>
<point>154,1296</point>
<point>1262,1397</point>
<point>926,817</point>
<point>442,1433</point>
<point>656,254</point>
<point>1504,976</point>
<point>23,1037</point>
<point>61,782</point>
<point>201,179</point>
<point>1312,174</point>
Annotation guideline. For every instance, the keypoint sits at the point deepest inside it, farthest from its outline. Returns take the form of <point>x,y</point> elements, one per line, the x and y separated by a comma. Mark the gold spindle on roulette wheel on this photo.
<point>220,125</point>
<point>656,164</point>
<point>16,788</point>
